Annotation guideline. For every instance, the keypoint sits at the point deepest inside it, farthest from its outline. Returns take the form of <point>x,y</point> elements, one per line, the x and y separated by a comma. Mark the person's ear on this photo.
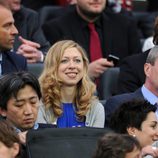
<point>147,69</point>
<point>15,149</point>
<point>3,112</point>
<point>132,131</point>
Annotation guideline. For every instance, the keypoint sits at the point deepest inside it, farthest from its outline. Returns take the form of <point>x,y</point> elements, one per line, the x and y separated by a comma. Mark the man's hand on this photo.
<point>30,50</point>
<point>96,68</point>
<point>30,43</point>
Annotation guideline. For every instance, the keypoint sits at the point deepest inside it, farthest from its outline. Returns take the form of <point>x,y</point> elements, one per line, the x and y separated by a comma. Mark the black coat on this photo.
<point>27,23</point>
<point>132,74</point>
<point>114,102</point>
<point>12,62</point>
<point>117,33</point>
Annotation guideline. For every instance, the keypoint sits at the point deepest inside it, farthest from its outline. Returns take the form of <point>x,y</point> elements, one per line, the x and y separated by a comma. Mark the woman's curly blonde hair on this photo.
<point>51,84</point>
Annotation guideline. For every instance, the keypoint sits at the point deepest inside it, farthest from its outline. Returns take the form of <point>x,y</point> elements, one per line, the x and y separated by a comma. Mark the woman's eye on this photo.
<point>64,61</point>
<point>77,60</point>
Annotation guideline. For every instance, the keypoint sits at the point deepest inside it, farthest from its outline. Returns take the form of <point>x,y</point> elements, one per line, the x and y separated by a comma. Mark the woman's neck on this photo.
<point>68,94</point>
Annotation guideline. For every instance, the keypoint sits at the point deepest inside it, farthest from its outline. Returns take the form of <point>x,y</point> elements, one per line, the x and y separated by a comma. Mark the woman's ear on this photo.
<point>15,149</point>
<point>131,131</point>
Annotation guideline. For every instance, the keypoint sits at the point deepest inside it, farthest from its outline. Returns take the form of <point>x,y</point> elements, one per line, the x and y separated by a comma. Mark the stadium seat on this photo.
<point>63,142</point>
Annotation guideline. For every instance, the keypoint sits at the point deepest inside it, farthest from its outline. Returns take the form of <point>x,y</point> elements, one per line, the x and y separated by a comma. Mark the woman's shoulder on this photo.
<point>45,115</point>
<point>96,104</point>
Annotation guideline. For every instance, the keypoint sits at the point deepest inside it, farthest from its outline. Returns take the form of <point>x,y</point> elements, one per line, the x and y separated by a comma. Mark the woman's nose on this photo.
<point>72,64</point>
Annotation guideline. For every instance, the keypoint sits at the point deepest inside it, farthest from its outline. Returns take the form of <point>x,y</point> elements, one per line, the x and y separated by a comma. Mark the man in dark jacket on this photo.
<point>9,60</point>
<point>132,74</point>
<point>31,41</point>
<point>117,34</point>
<point>148,91</point>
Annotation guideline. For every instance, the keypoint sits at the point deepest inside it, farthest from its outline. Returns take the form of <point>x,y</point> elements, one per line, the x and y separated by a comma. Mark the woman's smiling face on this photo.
<point>71,67</point>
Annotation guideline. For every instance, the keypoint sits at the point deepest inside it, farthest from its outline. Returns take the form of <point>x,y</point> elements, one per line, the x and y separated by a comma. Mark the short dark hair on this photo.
<point>8,135</point>
<point>11,83</point>
<point>130,114</point>
<point>114,145</point>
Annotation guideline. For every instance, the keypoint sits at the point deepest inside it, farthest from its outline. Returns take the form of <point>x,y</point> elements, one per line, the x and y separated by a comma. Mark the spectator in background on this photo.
<point>9,61</point>
<point>118,6</point>
<point>148,91</point>
<point>114,5</point>
<point>127,4</point>
<point>132,74</point>
<point>138,119</point>
<point>10,146</point>
<point>90,14</point>
<point>68,92</point>
<point>30,42</point>
<point>114,145</point>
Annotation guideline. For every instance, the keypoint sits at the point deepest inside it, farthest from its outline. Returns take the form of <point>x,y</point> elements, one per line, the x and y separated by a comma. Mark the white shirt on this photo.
<point>148,44</point>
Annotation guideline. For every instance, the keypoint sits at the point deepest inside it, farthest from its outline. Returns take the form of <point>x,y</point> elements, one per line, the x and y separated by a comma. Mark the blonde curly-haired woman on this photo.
<point>68,92</point>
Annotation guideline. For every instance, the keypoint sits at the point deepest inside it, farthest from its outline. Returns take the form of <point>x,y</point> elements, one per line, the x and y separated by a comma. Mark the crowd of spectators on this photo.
<point>74,48</point>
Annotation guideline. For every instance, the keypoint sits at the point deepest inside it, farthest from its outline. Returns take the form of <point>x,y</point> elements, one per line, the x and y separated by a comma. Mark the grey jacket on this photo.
<point>95,116</point>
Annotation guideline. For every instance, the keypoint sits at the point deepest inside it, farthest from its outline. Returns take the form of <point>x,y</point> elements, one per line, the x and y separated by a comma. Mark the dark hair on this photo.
<point>11,83</point>
<point>8,135</point>
<point>114,145</point>
<point>130,114</point>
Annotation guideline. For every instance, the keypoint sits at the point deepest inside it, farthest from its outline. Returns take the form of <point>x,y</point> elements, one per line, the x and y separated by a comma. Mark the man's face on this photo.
<point>22,111</point>
<point>7,29</point>
<point>151,72</point>
<point>91,7</point>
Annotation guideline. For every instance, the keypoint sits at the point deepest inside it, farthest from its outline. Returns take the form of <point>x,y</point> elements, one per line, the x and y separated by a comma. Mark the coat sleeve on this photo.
<point>95,117</point>
<point>128,80</point>
<point>41,118</point>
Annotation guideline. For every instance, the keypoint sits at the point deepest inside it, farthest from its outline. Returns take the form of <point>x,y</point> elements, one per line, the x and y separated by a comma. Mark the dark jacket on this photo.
<point>132,74</point>
<point>117,33</point>
<point>12,62</point>
<point>27,23</point>
<point>114,102</point>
